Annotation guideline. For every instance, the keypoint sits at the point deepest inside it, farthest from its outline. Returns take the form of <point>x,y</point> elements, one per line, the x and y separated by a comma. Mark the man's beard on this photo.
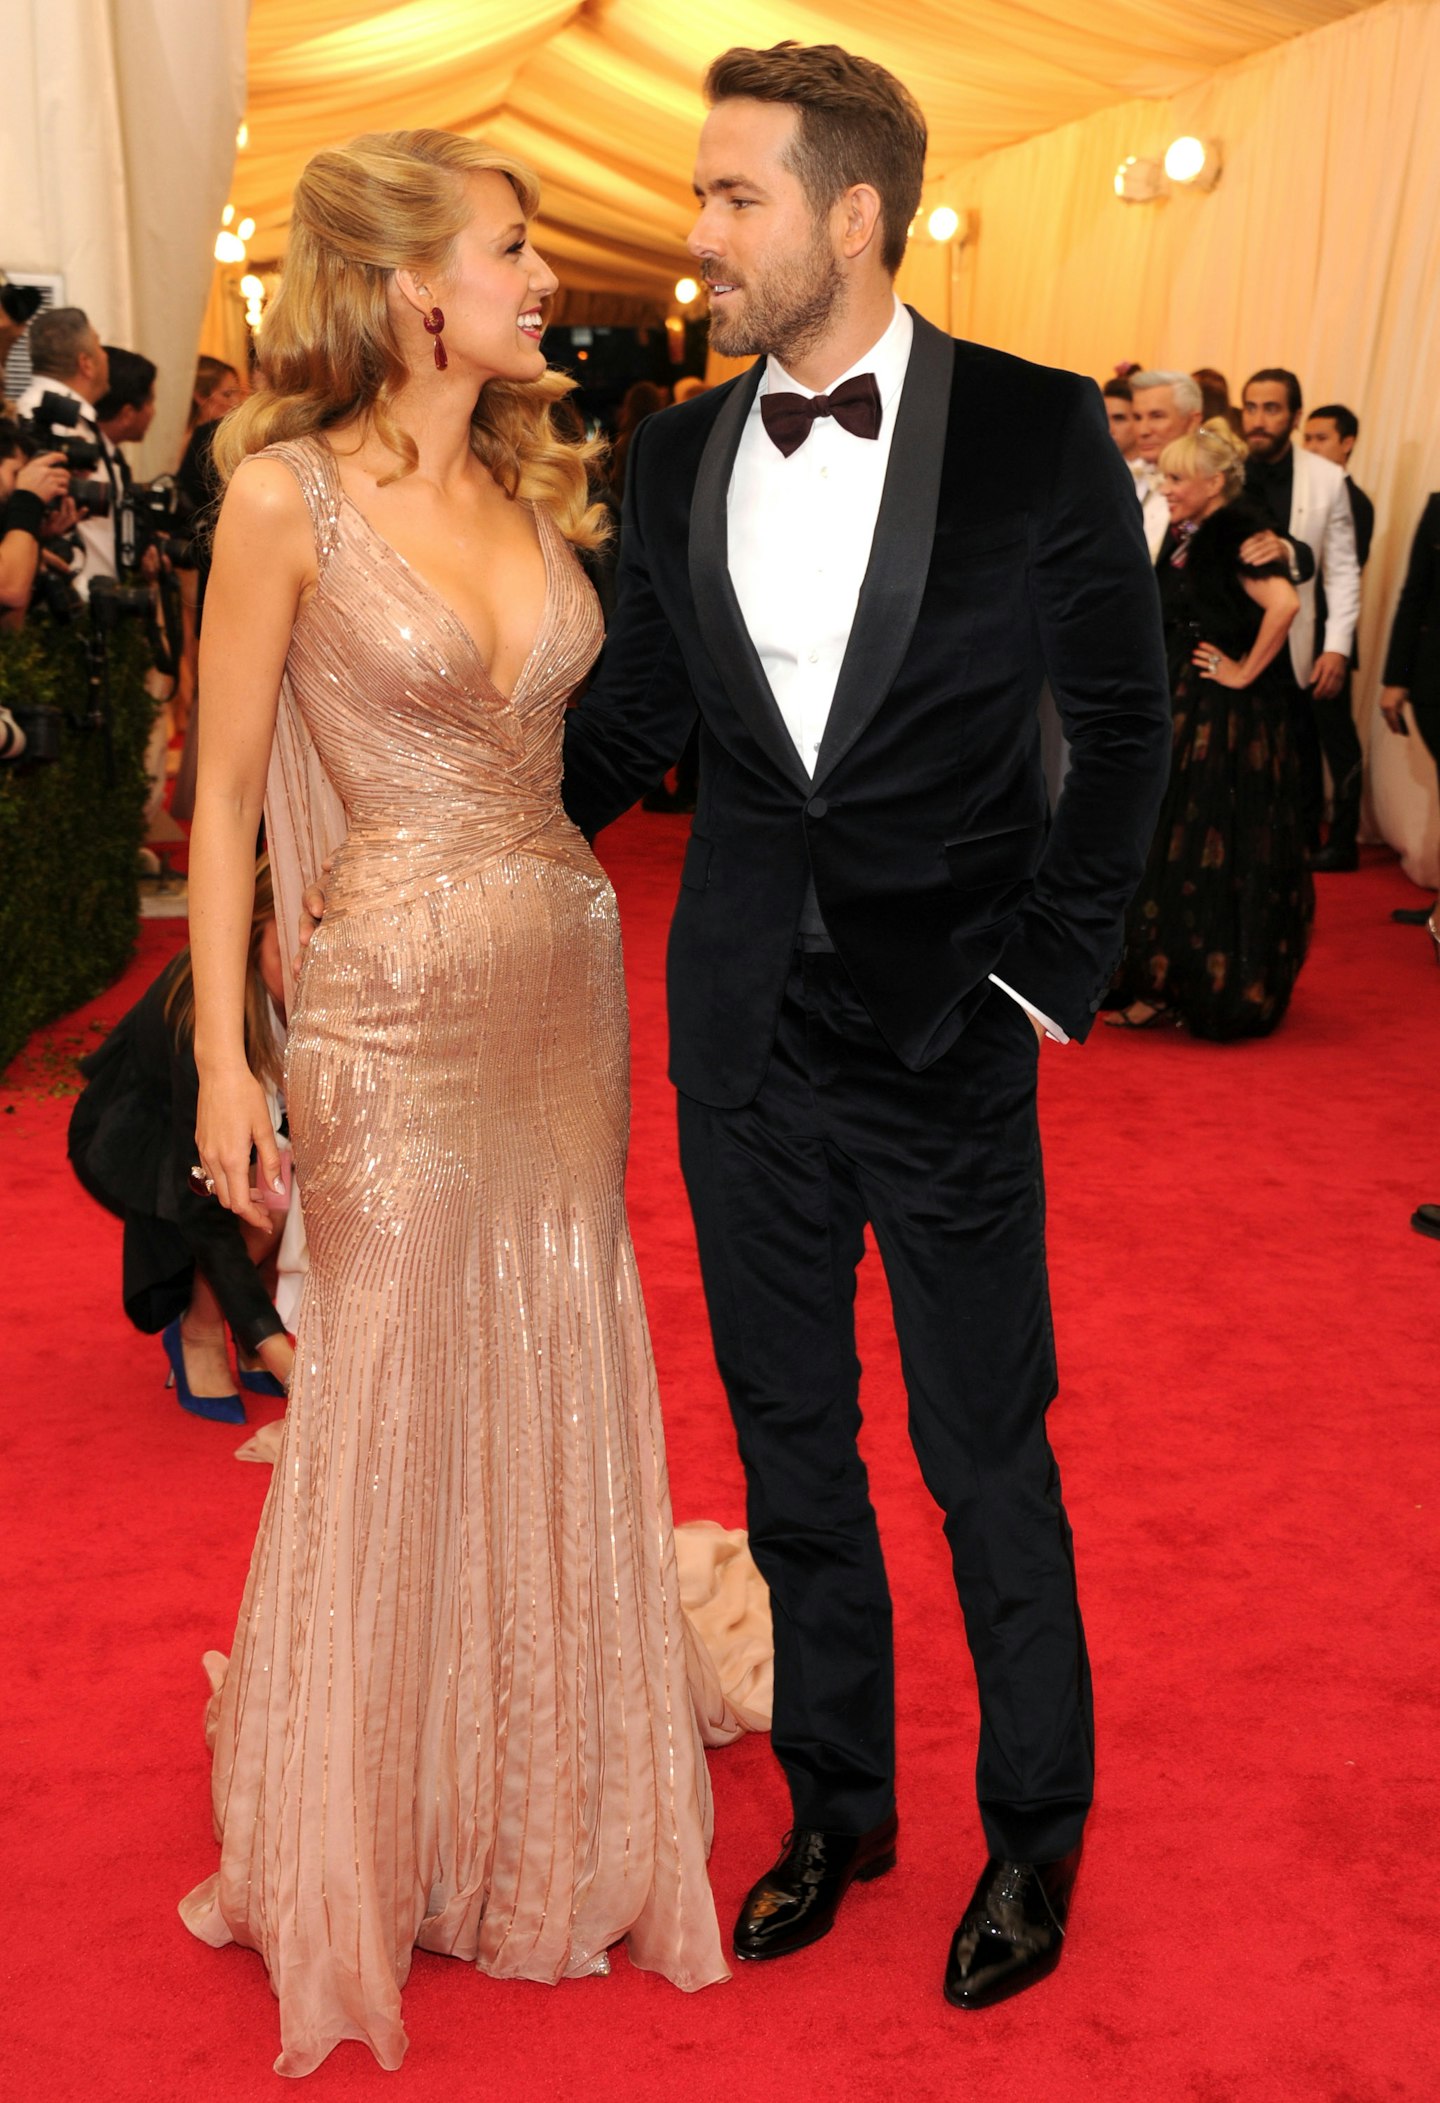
<point>1266,445</point>
<point>786,312</point>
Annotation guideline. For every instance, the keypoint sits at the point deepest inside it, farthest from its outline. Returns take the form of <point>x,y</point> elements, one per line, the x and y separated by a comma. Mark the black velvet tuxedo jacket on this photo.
<point>1413,659</point>
<point>1008,548</point>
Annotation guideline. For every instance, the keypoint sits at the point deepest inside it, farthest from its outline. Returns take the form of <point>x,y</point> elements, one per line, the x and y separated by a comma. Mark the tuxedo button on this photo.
<point>816,807</point>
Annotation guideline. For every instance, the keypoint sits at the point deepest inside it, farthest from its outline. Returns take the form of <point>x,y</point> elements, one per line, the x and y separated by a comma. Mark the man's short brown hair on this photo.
<point>858,124</point>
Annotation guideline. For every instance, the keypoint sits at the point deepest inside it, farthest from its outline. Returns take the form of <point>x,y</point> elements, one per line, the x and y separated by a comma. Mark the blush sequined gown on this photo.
<point>456,1715</point>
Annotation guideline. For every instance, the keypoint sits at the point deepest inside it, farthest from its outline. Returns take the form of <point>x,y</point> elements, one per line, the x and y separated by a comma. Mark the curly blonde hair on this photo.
<point>328,351</point>
<point>1212,450</point>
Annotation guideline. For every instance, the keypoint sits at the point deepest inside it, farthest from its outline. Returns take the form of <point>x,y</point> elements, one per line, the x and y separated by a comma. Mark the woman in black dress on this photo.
<point>1221,922</point>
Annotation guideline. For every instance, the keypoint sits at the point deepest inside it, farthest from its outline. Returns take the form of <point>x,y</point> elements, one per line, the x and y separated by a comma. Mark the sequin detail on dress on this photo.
<point>456,1713</point>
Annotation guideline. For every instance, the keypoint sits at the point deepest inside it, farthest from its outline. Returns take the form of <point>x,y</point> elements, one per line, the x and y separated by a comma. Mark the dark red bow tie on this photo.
<point>855,406</point>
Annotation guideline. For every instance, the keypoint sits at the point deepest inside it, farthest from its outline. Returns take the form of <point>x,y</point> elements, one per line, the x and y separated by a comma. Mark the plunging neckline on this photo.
<point>438,599</point>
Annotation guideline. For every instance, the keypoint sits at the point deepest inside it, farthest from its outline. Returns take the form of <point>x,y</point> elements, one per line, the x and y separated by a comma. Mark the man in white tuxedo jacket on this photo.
<point>1305,500</point>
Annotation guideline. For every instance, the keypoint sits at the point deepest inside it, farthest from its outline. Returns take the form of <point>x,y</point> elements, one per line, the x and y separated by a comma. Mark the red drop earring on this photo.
<point>432,327</point>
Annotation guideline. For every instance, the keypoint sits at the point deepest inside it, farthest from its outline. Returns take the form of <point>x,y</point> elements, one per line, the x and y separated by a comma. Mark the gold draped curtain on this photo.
<point>603,97</point>
<point>1319,250</point>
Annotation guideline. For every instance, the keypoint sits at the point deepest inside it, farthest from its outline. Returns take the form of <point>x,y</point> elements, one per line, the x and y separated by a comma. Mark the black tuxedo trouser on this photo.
<point>945,1165</point>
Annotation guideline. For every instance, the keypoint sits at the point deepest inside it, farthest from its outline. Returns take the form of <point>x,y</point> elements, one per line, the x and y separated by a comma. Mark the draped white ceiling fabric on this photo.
<point>603,96</point>
<point>115,154</point>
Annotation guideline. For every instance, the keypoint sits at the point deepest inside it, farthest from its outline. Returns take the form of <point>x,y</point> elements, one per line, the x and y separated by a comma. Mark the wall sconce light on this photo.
<point>1195,162</point>
<point>687,291</point>
<point>943,226</point>
<point>1139,181</point>
<point>231,239</point>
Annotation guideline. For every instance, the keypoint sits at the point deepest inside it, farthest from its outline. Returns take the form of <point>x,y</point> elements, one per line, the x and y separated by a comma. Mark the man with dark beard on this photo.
<point>859,563</point>
<point>1305,500</point>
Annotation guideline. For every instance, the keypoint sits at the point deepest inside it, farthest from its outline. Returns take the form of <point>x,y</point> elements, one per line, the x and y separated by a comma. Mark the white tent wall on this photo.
<point>115,161</point>
<point>1319,250</point>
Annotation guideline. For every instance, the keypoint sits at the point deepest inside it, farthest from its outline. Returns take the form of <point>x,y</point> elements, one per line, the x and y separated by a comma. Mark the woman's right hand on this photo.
<point>233,1117</point>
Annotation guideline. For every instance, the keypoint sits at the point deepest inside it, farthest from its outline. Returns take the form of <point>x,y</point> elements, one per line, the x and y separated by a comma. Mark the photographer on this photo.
<point>69,362</point>
<point>28,490</point>
<point>126,410</point>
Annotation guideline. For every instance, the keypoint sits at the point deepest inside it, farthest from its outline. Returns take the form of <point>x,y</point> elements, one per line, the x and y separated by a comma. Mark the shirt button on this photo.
<point>824,474</point>
<point>814,657</point>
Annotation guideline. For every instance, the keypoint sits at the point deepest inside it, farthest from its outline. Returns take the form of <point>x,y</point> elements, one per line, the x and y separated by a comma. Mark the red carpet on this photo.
<point>1248,1431</point>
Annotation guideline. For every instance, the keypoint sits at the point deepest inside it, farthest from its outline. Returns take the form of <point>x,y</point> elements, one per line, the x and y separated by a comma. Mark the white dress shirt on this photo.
<point>800,534</point>
<point>1154,509</point>
<point>97,535</point>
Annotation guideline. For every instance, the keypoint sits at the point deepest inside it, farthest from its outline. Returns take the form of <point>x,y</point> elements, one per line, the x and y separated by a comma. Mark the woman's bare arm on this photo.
<point>1279,602</point>
<point>264,564</point>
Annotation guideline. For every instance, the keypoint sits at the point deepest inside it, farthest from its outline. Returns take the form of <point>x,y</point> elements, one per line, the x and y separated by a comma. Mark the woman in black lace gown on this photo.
<point>1221,922</point>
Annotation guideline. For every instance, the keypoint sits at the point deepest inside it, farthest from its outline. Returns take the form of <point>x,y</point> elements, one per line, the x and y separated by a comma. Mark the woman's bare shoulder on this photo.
<point>264,490</point>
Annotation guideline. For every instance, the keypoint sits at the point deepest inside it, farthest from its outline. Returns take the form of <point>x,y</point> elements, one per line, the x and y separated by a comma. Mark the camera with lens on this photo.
<point>157,516</point>
<point>51,428</point>
<point>111,602</point>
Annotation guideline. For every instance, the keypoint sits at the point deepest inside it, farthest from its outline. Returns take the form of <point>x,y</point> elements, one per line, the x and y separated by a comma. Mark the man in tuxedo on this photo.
<point>67,358</point>
<point>1166,406</point>
<point>1332,432</point>
<point>1412,673</point>
<point>857,564</point>
<point>1303,498</point>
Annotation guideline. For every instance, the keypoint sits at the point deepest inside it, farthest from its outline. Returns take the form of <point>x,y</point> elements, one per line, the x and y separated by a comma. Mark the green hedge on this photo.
<point>70,831</point>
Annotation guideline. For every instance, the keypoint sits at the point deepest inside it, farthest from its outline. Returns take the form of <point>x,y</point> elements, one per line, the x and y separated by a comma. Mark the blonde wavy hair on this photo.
<point>328,351</point>
<point>1212,450</point>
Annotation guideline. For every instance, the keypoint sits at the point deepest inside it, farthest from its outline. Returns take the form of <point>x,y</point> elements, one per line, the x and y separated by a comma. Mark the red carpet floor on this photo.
<point>1248,1430</point>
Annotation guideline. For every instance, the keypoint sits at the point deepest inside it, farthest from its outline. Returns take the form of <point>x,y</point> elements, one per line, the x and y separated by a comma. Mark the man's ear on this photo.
<point>860,215</point>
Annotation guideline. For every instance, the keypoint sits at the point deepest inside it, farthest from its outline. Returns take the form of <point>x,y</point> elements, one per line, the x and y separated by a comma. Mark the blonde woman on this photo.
<point>1220,926</point>
<point>456,1715</point>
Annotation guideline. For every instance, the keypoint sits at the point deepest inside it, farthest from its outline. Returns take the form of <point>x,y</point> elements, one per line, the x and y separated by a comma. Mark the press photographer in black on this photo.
<point>72,372</point>
<point>35,505</point>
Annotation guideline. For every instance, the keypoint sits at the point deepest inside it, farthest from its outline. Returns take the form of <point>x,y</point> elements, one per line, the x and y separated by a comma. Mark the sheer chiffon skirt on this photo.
<point>457,1713</point>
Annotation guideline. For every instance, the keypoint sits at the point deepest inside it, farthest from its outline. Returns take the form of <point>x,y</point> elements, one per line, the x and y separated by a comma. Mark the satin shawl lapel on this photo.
<point>889,602</point>
<point>717,610</point>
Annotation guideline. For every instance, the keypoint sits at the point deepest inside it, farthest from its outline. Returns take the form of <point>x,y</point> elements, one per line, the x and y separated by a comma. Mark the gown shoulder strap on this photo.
<point>312,463</point>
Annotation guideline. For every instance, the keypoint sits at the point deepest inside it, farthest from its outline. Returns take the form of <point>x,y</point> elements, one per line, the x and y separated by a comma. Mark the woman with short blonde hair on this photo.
<point>457,1713</point>
<point>1220,926</point>
<point>1212,450</point>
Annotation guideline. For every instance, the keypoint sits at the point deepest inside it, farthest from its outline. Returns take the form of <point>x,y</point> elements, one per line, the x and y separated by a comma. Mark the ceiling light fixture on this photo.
<point>687,291</point>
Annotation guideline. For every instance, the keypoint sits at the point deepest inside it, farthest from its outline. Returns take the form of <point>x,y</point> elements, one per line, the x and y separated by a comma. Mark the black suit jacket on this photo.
<point>1008,548</point>
<point>1413,659</point>
<point>1362,510</point>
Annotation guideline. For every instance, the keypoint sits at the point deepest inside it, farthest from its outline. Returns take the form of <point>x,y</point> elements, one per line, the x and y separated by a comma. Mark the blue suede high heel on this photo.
<point>220,1409</point>
<point>259,1382</point>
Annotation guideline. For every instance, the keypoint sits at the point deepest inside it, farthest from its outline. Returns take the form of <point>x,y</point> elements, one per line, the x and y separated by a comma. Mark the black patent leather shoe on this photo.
<point>795,1903</point>
<point>1333,859</point>
<point>1012,1932</point>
